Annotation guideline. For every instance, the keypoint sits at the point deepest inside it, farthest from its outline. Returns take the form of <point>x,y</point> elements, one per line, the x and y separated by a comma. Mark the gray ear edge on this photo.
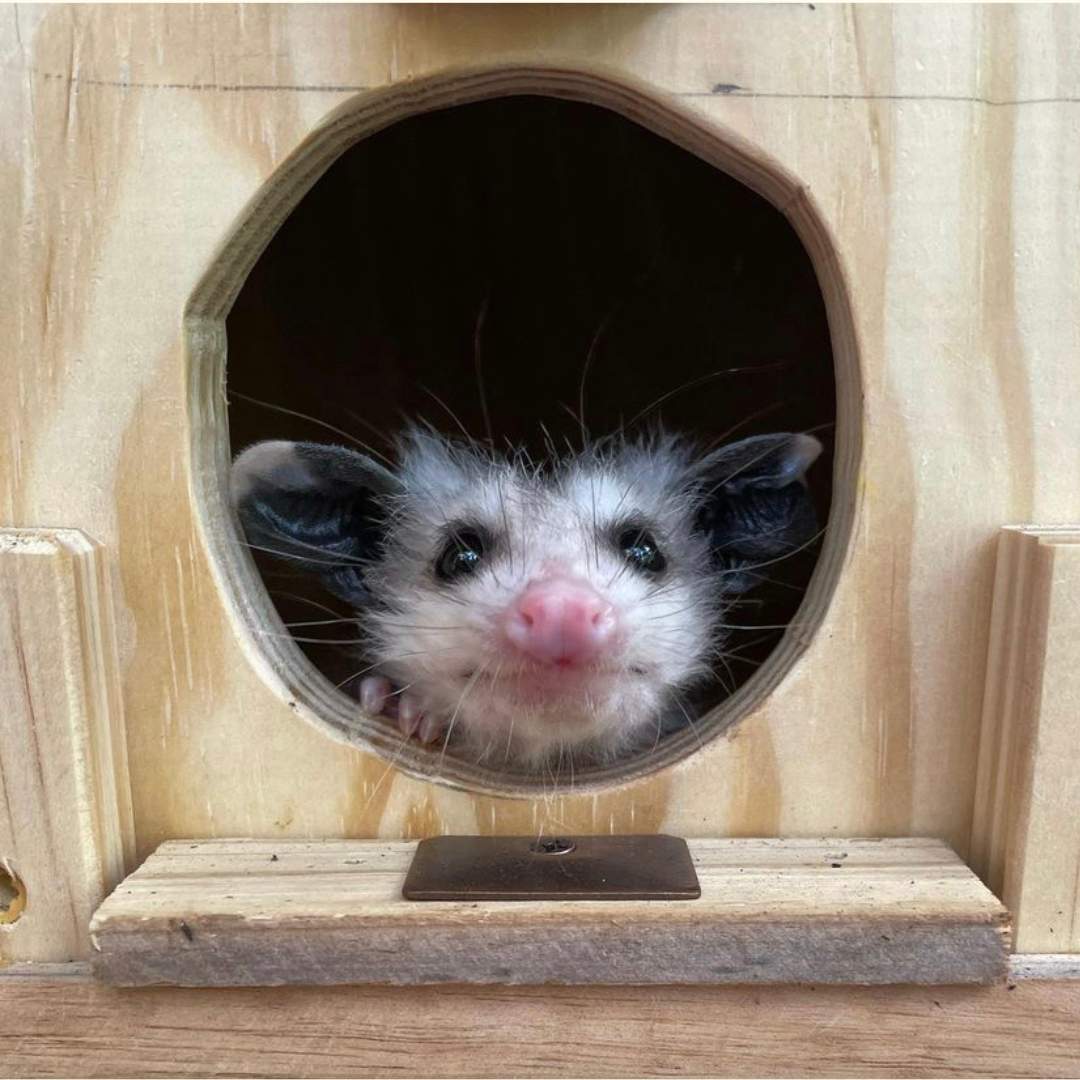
<point>802,452</point>
<point>304,467</point>
<point>762,461</point>
<point>260,464</point>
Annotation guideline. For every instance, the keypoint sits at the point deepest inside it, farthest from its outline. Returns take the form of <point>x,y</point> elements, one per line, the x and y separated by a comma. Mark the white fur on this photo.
<point>443,641</point>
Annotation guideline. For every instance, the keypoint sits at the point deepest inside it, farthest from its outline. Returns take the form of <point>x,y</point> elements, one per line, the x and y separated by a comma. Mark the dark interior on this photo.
<point>511,243</point>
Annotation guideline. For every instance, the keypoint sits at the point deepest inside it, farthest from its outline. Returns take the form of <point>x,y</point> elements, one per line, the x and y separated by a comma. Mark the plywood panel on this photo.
<point>65,814</point>
<point>938,147</point>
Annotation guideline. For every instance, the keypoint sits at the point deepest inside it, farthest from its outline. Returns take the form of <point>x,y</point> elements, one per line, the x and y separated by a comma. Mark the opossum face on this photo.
<point>539,611</point>
<point>535,613</point>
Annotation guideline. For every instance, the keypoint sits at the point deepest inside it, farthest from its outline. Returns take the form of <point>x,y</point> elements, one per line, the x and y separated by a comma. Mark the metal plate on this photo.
<point>552,868</point>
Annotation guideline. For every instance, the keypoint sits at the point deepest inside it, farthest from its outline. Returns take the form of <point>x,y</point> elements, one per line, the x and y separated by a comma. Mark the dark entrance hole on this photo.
<point>533,233</point>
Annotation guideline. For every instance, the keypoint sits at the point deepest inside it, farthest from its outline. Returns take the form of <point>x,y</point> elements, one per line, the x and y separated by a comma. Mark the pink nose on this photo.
<point>560,622</point>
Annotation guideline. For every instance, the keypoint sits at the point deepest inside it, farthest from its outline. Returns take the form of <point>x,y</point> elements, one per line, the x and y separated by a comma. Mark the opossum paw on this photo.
<point>375,690</point>
<point>412,721</point>
<point>378,697</point>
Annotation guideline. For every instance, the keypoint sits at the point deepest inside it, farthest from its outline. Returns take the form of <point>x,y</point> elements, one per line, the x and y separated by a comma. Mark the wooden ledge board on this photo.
<point>258,913</point>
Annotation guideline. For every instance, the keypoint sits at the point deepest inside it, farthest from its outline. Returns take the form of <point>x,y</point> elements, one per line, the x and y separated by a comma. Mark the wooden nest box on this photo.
<point>924,162</point>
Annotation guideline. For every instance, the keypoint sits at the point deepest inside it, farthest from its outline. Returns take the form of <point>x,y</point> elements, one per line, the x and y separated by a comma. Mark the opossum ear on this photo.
<point>755,508</point>
<point>317,507</point>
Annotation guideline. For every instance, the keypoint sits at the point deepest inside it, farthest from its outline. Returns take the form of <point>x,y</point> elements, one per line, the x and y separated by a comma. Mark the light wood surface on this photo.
<point>224,913</point>
<point>1026,834</point>
<point>65,815</point>
<point>1021,1030</point>
<point>934,151</point>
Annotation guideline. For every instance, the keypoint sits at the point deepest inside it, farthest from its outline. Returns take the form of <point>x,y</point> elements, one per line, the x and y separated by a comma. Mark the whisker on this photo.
<point>342,560</point>
<point>453,719</point>
<point>780,558</point>
<point>701,379</point>
<point>585,371</point>
<point>481,318</point>
<point>390,660</point>
<point>320,622</point>
<point>304,599</point>
<point>450,412</point>
<point>313,420</point>
<point>693,727</point>
<point>374,429</point>
<point>312,640</point>
<point>746,420</point>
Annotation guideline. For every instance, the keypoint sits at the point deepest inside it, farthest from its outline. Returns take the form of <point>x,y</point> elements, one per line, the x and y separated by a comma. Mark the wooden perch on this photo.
<point>261,912</point>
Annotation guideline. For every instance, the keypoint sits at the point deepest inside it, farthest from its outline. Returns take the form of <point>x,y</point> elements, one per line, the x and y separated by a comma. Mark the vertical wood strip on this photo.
<point>1026,830</point>
<point>66,829</point>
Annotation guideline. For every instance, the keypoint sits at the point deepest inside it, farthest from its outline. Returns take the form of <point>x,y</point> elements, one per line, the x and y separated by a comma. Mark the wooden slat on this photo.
<point>255,912</point>
<point>1020,1030</point>
<point>1044,966</point>
<point>65,818</point>
<point>1026,830</point>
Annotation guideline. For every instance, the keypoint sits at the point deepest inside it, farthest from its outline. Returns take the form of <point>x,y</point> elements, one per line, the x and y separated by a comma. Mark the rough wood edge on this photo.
<point>1041,967</point>
<point>77,971</point>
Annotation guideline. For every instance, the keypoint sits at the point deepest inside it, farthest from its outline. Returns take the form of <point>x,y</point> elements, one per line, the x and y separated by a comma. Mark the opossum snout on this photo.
<point>561,622</point>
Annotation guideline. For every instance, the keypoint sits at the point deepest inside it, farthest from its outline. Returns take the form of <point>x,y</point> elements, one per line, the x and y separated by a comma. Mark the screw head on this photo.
<point>552,845</point>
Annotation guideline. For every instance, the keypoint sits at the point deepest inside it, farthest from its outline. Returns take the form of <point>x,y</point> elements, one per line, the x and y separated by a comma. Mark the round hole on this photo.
<point>486,264</point>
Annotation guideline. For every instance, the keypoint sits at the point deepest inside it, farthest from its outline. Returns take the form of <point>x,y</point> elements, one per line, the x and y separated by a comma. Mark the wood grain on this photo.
<point>65,815</point>
<point>1026,832</point>
<point>228,913</point>
<point>934,151</point>
<point>1029,1029</point>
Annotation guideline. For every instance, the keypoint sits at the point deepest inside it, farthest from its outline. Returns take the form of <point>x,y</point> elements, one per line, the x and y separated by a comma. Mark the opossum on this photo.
<point>526,611</point>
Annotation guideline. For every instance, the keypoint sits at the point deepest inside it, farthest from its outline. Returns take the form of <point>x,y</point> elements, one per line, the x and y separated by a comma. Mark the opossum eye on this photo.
<point>641,551</point>
<point>462,556</point>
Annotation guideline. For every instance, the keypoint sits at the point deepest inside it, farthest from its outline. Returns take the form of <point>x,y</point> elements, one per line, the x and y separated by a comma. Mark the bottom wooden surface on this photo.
<point>1024,1029</point>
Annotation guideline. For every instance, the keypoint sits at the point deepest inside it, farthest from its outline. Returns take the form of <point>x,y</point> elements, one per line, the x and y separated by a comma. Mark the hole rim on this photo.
<point>263,638</point>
